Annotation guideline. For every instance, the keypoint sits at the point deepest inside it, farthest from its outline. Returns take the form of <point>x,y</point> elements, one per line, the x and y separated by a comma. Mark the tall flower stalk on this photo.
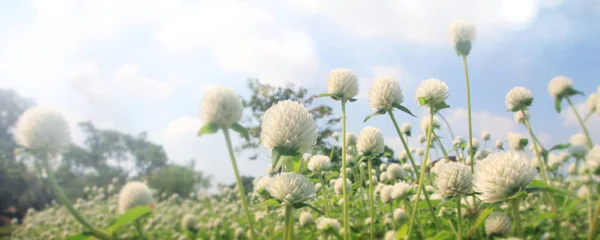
<point>581,123</point>
<point>371,205</point>
<point>344,173</point>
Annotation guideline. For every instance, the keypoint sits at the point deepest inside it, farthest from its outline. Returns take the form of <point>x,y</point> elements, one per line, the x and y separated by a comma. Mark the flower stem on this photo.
<point>138,227</point>
<point>324,192</point>
<point>344,175</point>
<point>464,58</point>
<point>239,183</point>
<point>414,165</point>
<point>594,222</point>
<point>289,222</point>
<point>583,127</point>
<point>62,198</point>
<point>422,176</point>
<point>515,210</point>
<point>535,149</point>
<point>371,206</point>
<point>448,124</point>
<point>459,219</point>
<point>392,212</point>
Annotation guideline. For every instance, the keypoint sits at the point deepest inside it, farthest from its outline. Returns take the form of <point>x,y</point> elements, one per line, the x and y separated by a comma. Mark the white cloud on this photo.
<point>130,78</point>
<point>592,124</point>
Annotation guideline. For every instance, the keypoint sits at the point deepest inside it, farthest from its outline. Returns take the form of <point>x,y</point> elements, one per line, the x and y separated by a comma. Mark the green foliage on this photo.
<point>178,179</point>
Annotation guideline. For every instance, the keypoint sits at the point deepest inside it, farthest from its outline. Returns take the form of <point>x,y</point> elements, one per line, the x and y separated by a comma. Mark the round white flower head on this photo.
<point>485,136</point>
<point>572,168</point>
<point>554,160</point>
<point>370,141</point>
<point>425,124</point>
<point>559,85</point>
<point>578,151</point>
<point>385,92</point>
<point>221,105</point>
<point>288,125</point>
<point>134,194</point>
<point>394,171</point>
<point>501,175</point>
<point>499,144</point>
<point>188,222</point>
<point>260,186</point>
<point>593,102</point>
<point>520,118</point>
<point>498,223</point>
<point>454,179</point>
<point>402,155</point>
<point>382,167</point>
<point>514,141</point>
<point>432,89</point>
<point>291,188</point>
<point>42,128</point>
<point>390,235</point>
<point>578,139</point>
<point>305,218</point>
<point>399,214</point>
<point>462,31</point>
<point>401,190</point>
<point>383,176</point>
<point>328,225</point>
<point>386,193</point>
<point>319,163</point>
<point>592,160</point>
<point>475,143</point>
<point>420,152</point>
<point>339,184</point>
<point>583,192</point>
<point>458,141</point>
<point>406,128</point>
<point>422,139</point>
<point>342,82</point>
<point>350,138</point>
<point>518,98</point>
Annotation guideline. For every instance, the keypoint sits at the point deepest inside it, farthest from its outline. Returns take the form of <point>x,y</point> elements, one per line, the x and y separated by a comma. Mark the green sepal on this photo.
<point>463,48</point>
<point>523,142</point>
<point>241,130</point>
<point>423,101</point>
<point>209,128</point>
<point>301,205</point>
<point>440,106</point>
<point>557,104</point>
<point>404,109</point>
<point>297,163</point>
<point>352,99</point>
<point>560,147</point>
<point>378,112</point>
<point>275,156</point>
<point>269,203</point>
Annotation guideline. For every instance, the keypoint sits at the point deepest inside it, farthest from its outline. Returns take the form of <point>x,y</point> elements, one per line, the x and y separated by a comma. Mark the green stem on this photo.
<point>583,127</point>
<point>414,165</point>
<point>371,206</point>
<point>459,219</point>
<point>392,212</point>
<point>422,176</point>
<point>361,188</point>
<point>62,198</point>
<point>239,183</point>
<point>138,227</point>
<point>464,58</point>
<point>535,149</point>
<point>588,116</point>
<point>515,210</point>
<point>324,192</point>
<point>289,222</point>
<point>409,212</point>
<point>344,177</point>
<point>594,223</point>
<point>269,224</point>
<point>590,208</point>
<point>447,124</point>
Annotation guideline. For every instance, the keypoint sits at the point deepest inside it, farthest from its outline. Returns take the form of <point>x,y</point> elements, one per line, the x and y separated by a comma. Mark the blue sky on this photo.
<point>138,65</point>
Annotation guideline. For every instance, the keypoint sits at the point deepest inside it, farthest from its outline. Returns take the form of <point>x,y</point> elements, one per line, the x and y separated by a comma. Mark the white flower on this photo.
<point>583,192</point>
<point>514,140</point>
<point>305,218</point>
<point>458,141</point>
<point>485,136</point>
<point>319,163</point>
<point>454,179</point>
<point>559,86</point>
<point>402,155</point>
<point>386,193</point>
<point>422,139</point>
<point>338,186</point>
<point>518,98</point>
<point>288,125</point>
<point>401,190</point>
<point>420,151</point>
<point>383,176</point>
<point>42,128</point>
<point>498,223</point>
<point>592,102</point>
<point>350,139</point>
<point>335,135</point>
<point>579,145</point>
<point>399,214</point>
<point>370,141</point>
<point>462,31</point>
<point>328,225</point>
<point>572,168</point>
<point>578,151</point>
<point>342,82</point>
<point>390,235</point>
<point>134,194</point>
<point>382,167</point>
<point>221,105</point>
<point>520,118</point>
<point>260,186</point>
<point>501,175</point>
<point>291,188</point>
<point>475,143</point>
<point>385,92</point>
<point>188,222</point>
<point>592,160</point>
<point>425,124</point>
<point>394,171</point>
<point>434,90</point>
<point>554,160</point>
<point>499,144</point>
<point>578,139</point>
<point>406,128</point>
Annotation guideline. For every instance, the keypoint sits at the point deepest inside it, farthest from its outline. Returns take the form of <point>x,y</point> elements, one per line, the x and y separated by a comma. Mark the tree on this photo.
<point>181,180</point>
<point>247,182</point>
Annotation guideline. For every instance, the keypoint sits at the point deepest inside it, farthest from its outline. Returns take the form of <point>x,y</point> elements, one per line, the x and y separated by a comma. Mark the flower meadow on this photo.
<point>509,188</point>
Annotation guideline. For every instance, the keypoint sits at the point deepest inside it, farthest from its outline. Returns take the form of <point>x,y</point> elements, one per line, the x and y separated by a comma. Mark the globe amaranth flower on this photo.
<point>485,136</point>
<point>518,98</point>
<point>221,105</point>
<point>260,187</point>
<point>350,139</point>
<point>288,125</point>
<point>554,160</point>
<point>501,175</point>
<point>370,141</point>
<point>390,235</point>
<point>328,225</point>
<point>475,143</point>
<point>385,92</point>
<point>592,160</point>
<point>454,179</point>
<point>188,222</point>
<point>386,193</point>
<point>342,82</point>
<point>319,163</point>
<point>462,34</point>
<point>134,194</point>
<point>42,128</point>
<point>406,128</point>
<point>383,176</point>
<point>425,123</point>
<point>434,90</point>
<point>514,141</point>
<point>458,141</point>
<point>291,188</point>
<point>579,145</point>
<point>401,190</point>
<point>499,144</point>
<point>422,139</point>
<point>559,86</point>
<point>305,218</point>
<point>394,171</point>
<point>498,224</point>
<point>399,214</point>
<point>593,102</point>
<point>339,184</point>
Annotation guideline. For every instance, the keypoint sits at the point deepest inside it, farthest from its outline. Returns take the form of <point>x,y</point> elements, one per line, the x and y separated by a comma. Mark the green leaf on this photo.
<point>519,194</point>
<point>297,163</point>
<point>129,217</point>
<point>301,205</point>
<point>546,215</point>
<point>573,91</point>
<point>404,109</point>
<point>325,95</point>
<point>523,142</point>
<point>241,130</point>
<point>423,203</point>
<point>537,183</point>
<point>378,112</point>
<point>557,103</point>
<point>80,236</point>
<point>560,147</point>
<point>462,145</point>
<point>441,106</point>
<point>271,203</point>
<point>208,128</point>
<point>442,236</point>
<point>482,216</point>
<point>352,99</point>
<point>423,101</point>
<point>402,232</point>
<point>275,157</point>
